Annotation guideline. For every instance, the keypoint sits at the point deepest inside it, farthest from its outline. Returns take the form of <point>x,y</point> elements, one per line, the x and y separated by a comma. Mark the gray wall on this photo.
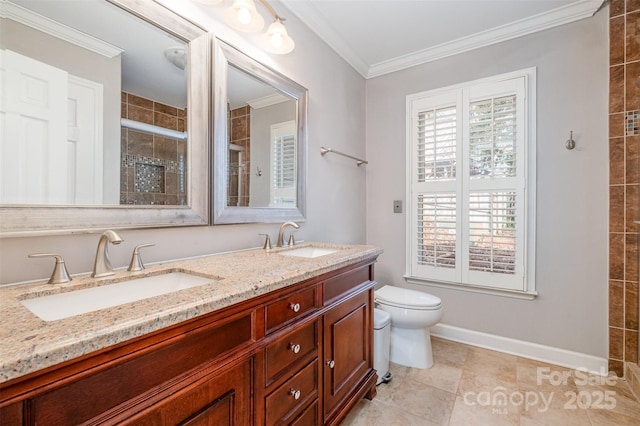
<point>335,188</point>
<point>572,85</point>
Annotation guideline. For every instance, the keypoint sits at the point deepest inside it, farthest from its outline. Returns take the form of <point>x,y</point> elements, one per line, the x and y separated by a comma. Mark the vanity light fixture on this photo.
<point>243,16</point>
<point>276,39</point>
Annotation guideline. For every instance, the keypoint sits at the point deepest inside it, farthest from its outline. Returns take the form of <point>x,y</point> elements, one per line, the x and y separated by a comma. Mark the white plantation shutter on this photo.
<point>492,137</point>
<point>437,144</point>
<point>437,230</point>
<point>435,238</point>
<point>283,164</point>
<point>467,185</point>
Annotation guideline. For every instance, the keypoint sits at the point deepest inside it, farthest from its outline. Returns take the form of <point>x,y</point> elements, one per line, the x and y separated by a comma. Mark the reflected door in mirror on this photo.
<point>68,69</point>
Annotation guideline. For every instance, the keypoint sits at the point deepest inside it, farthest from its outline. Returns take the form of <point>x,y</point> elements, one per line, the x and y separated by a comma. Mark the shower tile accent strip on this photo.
<point>624,182</point>
<point>632,123</point>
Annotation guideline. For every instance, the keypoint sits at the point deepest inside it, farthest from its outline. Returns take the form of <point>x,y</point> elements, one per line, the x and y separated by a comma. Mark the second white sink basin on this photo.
<point>65,305</point>
<point>308,252</point>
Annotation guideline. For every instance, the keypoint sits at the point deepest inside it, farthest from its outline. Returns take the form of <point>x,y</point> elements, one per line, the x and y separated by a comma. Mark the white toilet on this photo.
<point>412,313</point>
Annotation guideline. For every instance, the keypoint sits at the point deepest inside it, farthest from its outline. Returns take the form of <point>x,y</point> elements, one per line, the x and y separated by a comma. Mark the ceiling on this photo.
<point>381,36</point>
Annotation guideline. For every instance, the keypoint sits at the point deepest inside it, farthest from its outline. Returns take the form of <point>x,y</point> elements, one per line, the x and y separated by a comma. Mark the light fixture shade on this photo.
<point>276,40</point>
<point>177,55</point>
<point>243,16</point>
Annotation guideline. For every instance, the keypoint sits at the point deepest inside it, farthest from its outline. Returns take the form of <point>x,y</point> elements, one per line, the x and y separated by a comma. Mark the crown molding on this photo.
<point>268,100</point>
<point>41,23</point>
<point>543,21</point>
<point>310,16</point>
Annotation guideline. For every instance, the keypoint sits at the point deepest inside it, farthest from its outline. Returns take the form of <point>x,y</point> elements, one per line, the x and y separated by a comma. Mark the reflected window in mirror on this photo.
<point>283,148</point>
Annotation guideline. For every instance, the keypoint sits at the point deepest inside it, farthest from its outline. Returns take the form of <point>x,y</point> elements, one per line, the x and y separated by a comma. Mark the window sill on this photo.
<point>526,295</point>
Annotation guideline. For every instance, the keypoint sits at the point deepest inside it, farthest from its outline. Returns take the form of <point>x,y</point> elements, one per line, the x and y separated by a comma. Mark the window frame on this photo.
<point>460,92</point>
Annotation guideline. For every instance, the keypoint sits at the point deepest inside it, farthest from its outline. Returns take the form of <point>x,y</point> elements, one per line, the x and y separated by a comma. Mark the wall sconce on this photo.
<point>243,16</point>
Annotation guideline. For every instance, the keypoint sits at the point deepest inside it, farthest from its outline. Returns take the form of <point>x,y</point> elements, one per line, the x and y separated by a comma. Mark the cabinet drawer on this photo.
<point>293,306</point>
<point>91,395</point>
<point>282,404</point>
<point>285,353</point>
<point>221,399</point>
<point>343,283</point>
<point>308,417</point>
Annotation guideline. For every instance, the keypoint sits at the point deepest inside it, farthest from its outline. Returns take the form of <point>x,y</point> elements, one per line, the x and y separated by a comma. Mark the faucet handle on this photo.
<point>292,241</point>
<point>136,260</point>
<point>267,242</point>
<point>60,274</point>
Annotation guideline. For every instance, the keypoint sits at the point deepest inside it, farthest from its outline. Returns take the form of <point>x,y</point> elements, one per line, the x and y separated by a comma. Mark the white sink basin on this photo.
<point>308,252</point>
<point>65,305</point>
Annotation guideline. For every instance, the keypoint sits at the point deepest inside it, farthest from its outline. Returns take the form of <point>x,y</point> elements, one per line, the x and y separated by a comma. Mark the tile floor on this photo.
<point>474,386</point>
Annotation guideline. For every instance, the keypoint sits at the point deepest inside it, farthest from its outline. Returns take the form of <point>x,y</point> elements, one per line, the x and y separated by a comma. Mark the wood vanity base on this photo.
<point>301,355</point>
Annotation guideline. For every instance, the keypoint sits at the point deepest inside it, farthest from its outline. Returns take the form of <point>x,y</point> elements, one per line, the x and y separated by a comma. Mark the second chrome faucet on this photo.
<point>102,265</point>
<point>280,242</point>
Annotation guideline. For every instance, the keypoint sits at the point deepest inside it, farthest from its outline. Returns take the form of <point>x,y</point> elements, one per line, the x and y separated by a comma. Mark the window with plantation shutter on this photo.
<point>283,164</point>
<point>471,152</point>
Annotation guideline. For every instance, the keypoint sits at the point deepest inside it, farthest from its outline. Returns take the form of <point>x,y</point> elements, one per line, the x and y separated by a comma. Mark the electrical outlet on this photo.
<point>397,206</point>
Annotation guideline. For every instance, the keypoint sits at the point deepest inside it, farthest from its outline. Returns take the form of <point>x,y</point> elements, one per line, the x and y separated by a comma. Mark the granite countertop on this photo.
<point>28,344</point>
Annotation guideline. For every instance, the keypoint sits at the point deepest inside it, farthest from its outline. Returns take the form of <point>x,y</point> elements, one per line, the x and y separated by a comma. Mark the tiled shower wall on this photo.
<point>153,168</point>
<point>240,165</point>
<point>624,194</point>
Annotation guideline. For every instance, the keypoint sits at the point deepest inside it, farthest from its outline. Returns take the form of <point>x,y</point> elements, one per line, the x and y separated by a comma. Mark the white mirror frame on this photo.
<point>221,213</point>
<point>25,220</point>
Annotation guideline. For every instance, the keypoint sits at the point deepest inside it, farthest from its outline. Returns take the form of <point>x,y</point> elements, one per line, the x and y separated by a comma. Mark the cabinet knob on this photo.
<point>295,307</point>
<point>331,363</point>
<point>295,348</point>
<point>295,393</point>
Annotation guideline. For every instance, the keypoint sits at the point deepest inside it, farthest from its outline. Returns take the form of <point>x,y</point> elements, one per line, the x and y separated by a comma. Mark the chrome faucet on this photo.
<point>280,242</point>
<point>102,265</point>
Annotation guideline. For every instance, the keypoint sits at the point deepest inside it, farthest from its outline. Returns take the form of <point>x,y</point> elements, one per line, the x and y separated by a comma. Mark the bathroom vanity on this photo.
<point>272,339</point>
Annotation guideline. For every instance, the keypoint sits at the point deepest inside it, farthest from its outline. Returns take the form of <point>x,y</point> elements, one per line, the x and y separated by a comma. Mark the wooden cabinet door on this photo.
<point>347,349</point>
<point>223,398</point>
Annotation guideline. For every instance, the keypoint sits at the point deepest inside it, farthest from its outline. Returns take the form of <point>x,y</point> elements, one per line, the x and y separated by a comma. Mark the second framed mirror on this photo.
<point>260,120</point>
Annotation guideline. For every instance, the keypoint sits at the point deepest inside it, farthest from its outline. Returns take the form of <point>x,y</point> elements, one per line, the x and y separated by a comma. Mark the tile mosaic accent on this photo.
<point>129,160</point>
<point>632,123</point>
<point>149,178</point>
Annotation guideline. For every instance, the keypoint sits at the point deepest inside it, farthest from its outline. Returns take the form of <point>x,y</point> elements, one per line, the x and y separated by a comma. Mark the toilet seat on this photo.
<point>406,298</point>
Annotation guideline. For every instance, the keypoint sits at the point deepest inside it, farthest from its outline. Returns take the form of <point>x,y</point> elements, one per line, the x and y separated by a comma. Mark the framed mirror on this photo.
<point>105,117</point>
<point>260,141</point>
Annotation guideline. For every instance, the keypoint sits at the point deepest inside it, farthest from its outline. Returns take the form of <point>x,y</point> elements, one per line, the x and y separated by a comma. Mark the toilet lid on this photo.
<point>405,298</point>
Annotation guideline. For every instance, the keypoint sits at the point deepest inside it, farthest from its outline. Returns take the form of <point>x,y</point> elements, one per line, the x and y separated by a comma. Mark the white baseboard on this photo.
<point>548,354</point>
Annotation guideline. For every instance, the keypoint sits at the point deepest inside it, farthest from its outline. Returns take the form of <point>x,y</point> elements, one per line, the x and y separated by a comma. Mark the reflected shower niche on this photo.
<point>153,167</point>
